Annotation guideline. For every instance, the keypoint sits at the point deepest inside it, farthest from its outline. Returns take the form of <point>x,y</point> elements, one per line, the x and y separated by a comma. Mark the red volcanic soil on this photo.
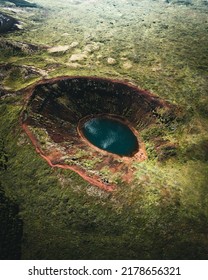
<point>54,157</point>
<point>55,110</point>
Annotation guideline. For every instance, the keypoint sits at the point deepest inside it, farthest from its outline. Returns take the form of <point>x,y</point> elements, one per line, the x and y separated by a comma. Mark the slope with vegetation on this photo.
<point>160,46</point>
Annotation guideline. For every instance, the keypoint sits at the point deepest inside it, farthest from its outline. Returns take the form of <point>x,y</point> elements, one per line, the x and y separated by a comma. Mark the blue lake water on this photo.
<point>110,135</point>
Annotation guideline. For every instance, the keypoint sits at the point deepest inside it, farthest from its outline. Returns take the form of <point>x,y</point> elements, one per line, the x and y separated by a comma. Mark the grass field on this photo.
<point>158,45</point>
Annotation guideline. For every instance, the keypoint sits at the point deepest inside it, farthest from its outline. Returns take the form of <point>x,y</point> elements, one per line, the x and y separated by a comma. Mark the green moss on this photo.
<point>162,213</point>
<point>11,229</point>
<point>41,135</point>
<point>91,163</point>
<point>16,79</point>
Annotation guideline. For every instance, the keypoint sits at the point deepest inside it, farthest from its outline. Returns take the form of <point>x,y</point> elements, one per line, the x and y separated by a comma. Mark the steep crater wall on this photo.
<point>73,98</point>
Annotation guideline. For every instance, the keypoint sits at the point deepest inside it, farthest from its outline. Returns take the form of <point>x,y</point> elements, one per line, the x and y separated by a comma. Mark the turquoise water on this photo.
<point>110,135</point>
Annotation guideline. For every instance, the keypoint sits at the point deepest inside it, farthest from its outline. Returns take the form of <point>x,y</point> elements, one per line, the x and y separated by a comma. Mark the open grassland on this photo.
<point>156,45</point>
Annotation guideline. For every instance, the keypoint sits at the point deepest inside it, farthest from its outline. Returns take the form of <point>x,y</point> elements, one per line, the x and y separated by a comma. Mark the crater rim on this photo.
<point>138,110</point>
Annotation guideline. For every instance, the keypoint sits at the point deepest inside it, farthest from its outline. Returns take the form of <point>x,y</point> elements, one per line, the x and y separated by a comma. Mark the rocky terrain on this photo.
<point>7,23</point>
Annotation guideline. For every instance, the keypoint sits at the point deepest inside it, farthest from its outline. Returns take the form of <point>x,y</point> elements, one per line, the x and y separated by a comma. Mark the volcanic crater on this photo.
<point>57,109</point>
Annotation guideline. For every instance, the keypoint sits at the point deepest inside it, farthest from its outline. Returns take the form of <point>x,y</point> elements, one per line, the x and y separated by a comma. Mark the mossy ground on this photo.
<point>163,213</point>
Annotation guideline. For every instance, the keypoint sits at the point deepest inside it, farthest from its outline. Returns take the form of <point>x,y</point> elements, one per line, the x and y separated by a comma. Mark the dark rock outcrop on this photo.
<point>7,23</point>
<point>22,3</point>
<point>21,47</point>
